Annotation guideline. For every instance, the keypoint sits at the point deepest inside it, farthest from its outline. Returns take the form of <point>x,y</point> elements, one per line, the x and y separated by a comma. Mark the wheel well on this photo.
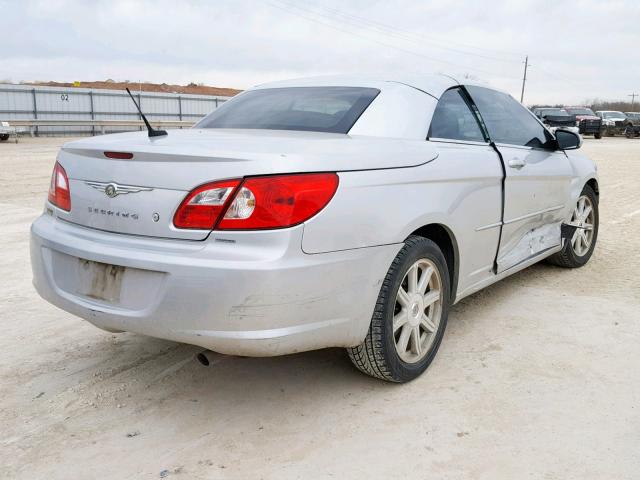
<point>445,240</point>
<point>593,183</point>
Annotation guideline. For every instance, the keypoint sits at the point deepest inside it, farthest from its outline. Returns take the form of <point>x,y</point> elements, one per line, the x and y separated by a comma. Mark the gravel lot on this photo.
<point>538,376</point>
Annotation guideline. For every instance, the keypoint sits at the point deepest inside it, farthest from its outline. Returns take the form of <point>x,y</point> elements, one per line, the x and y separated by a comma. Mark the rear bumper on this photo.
<point>615,129</point>
<point>253,293</point>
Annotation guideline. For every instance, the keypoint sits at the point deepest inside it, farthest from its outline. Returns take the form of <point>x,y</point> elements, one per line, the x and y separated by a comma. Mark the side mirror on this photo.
<point>568,140</point>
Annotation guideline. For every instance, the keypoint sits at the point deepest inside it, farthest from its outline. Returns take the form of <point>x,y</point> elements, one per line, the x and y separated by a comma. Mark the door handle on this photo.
<point>517,162</point>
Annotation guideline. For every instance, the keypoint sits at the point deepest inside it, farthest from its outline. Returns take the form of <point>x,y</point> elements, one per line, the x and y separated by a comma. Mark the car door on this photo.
<point>472,170</point>
<point>537,178</point>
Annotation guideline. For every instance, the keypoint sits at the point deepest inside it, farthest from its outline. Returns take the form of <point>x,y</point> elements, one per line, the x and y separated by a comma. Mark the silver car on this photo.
<point>328,212</point>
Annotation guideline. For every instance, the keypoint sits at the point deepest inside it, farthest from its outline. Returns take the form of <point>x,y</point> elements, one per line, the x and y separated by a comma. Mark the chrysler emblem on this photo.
<point>112,189</point>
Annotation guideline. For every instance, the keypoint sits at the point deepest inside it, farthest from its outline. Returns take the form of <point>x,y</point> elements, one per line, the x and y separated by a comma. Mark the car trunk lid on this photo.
<point>140,195</point>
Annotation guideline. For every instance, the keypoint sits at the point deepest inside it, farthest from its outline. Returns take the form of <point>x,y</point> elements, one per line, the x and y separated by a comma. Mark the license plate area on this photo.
<point>100,281</point>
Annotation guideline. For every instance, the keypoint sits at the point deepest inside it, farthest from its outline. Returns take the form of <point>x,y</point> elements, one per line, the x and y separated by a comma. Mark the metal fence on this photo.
<point>26,102</point>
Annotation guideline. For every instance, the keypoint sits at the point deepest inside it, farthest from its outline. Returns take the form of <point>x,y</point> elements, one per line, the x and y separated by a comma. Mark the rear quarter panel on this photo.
<point>460,189</point>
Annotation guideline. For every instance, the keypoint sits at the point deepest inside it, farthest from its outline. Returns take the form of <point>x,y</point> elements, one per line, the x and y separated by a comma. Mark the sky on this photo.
<point>578,50</point>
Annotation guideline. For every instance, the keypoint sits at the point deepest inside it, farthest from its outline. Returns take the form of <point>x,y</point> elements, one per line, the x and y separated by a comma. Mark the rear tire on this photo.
<point>629,132</point>
<point>577,249</point>
<point>4,137</point>
<point>598,135</point>
<point>410,316</point>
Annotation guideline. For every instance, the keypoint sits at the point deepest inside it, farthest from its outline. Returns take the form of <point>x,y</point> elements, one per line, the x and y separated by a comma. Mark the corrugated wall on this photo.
<point>26,102</point>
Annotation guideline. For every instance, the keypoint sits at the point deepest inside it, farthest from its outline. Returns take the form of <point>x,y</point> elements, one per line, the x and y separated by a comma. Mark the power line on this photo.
<point>412,36</point>
<point>346,20</point>
<point>406,33</point>
<point>389,45</point>
<point>349,32</point>
<point>554,75</point>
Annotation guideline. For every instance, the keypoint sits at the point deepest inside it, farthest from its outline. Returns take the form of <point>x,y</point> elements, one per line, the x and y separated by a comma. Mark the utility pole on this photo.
<point>633,98</point>
<point>524,77</point>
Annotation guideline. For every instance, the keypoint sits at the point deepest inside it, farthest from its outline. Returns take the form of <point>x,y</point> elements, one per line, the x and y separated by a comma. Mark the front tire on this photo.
<point>410,315</point>
<point>578,248</point>
<point>598,135</point>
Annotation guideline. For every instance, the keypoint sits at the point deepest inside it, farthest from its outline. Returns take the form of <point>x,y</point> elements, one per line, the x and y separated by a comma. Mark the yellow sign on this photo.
<point>76,84</point>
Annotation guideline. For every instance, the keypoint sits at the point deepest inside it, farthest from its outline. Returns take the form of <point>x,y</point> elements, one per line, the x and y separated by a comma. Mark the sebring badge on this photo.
<point>112,189</point>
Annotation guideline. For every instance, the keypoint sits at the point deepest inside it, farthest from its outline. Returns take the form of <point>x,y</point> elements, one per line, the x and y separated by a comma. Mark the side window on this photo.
<point>454,120</point>
<point>507,120</point>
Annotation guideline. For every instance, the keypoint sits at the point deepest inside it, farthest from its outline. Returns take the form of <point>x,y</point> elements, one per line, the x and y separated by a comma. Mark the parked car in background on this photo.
<point>633,124</point>
<point>555,118</point>
<point>6,131</point>
<point>588,122</point>
<point>613,122</point>
<point>326,212</point>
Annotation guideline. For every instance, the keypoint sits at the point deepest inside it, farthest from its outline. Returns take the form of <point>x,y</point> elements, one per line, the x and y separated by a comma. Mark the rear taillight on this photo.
<point>59,194</point>
<point>203,206</point>
<point>277,201</point>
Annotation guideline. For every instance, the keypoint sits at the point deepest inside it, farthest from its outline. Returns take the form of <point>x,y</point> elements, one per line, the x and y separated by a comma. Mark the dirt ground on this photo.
<point>538,376</point>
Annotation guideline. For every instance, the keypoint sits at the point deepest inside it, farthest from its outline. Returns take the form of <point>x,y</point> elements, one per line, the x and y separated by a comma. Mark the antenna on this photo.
<point>150,129</point>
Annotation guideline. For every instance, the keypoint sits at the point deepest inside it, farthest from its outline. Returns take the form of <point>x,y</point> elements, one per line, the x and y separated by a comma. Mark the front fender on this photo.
<point>584,171</point>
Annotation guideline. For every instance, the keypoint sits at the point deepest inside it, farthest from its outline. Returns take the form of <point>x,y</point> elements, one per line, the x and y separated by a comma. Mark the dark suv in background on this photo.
<point>588,122</point>
<point>633,124</point>
<point>613,122</point>
<point>554,118</point>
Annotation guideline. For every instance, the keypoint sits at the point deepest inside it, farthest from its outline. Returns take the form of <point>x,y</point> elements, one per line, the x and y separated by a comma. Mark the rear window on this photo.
<point>314,109</point>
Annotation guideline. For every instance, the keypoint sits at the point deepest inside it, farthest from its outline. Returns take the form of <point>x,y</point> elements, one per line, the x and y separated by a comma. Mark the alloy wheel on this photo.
<point>583,219</point>
<point>417,311</point>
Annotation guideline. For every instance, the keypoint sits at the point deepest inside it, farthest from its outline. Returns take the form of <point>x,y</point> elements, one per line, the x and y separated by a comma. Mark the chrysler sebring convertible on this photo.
<point>328,212</point>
